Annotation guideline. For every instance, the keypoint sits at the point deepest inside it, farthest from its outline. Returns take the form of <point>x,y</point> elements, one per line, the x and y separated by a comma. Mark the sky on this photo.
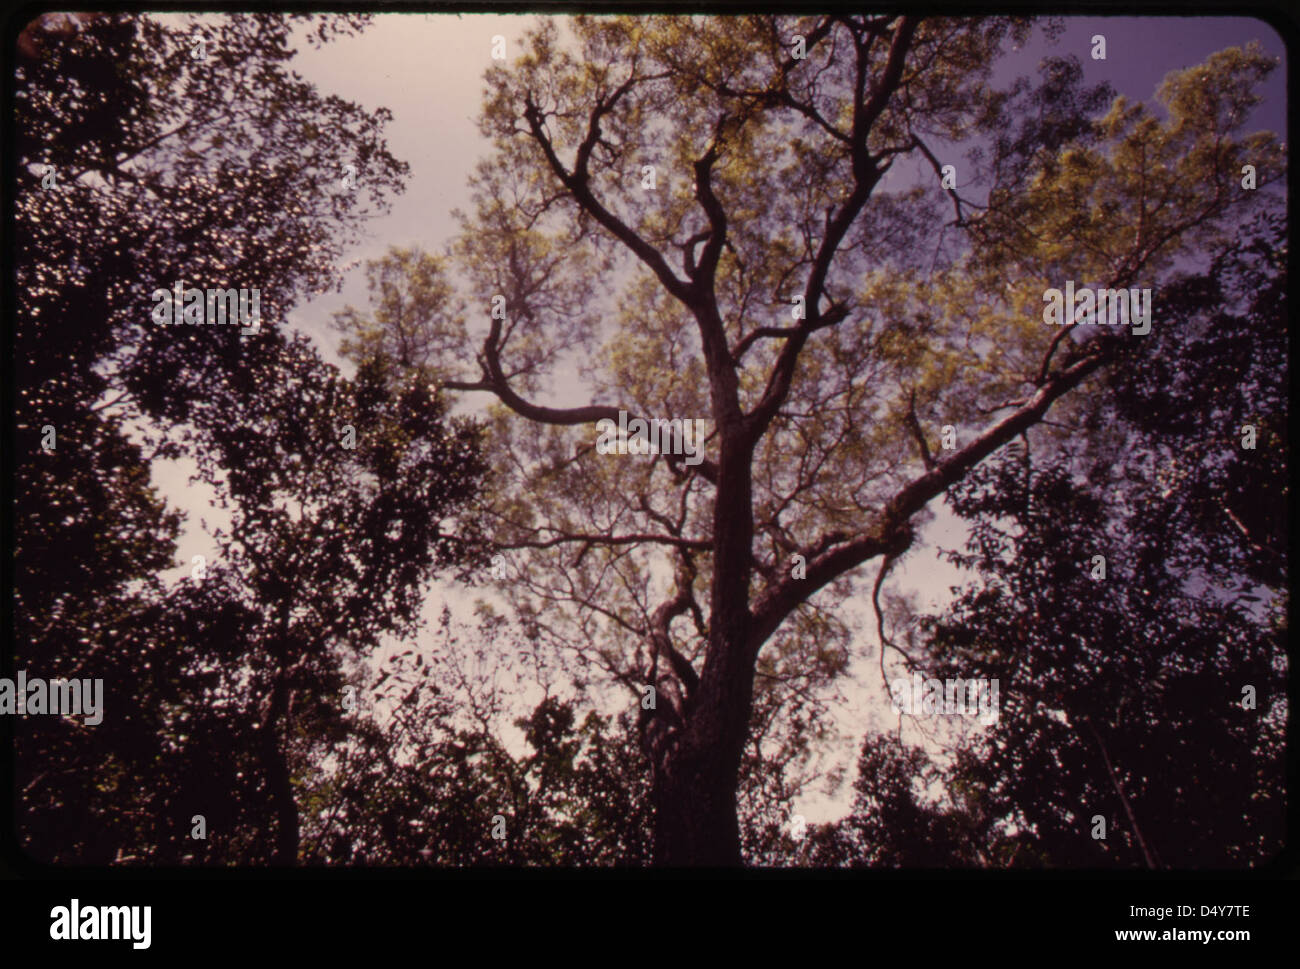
<point>427,70</point>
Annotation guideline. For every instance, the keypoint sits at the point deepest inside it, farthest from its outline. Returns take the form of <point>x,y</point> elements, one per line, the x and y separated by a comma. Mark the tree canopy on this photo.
<point>342,493</point>
<point>693,215</point>
<point>676,220</point>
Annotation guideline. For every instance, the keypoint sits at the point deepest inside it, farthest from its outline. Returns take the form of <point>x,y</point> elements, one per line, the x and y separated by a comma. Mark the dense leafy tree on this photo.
<point>692,215</point>
<point>232,682</point>
<point>431,781</point>
<point>1125,696</point>
<point>218,170</point>
<point>896,822</point>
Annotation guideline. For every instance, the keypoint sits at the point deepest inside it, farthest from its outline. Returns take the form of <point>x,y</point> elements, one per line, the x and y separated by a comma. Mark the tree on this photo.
<point>235,675</point>
<point>431,781</point>
<point>1152,695</point>
<point>416,318</point>
<point>1121,699</point>
<point>893,824</point>
<point>154,179</point>
<point>344,494</point>
<point>715,175</point>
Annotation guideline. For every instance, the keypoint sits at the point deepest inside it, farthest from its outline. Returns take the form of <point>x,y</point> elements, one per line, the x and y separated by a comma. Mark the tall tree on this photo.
<point>135,170</point>
<point>343,497</point>
<point>1146,699</point>
<point>1147,688</point>
<point>712,190</point>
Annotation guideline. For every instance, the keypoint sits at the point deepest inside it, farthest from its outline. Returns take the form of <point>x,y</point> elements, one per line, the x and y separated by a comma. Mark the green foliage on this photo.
<point>217,689</point>
<point>1121,697</point>
<point>428,776</point>
<point>416,321</point>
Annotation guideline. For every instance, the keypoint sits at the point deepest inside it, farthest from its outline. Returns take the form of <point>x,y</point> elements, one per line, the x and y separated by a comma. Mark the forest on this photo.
<point>582,536</point>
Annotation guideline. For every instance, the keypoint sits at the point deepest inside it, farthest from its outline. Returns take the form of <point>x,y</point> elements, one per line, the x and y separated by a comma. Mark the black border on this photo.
<point>925,900</point>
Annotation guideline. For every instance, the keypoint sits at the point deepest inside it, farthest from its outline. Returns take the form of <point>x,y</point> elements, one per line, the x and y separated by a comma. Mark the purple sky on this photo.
<point>427,69</point>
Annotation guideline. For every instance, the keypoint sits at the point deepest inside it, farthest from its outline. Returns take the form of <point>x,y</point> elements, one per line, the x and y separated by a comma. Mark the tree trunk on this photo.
<point>695,811</point>
<point>279,784</point>
<point>694,789</point>
<point>284,849</point>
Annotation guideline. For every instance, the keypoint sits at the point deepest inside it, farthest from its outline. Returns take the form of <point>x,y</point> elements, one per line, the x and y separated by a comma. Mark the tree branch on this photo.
<point>837,554</point>
<point>577,183</point>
